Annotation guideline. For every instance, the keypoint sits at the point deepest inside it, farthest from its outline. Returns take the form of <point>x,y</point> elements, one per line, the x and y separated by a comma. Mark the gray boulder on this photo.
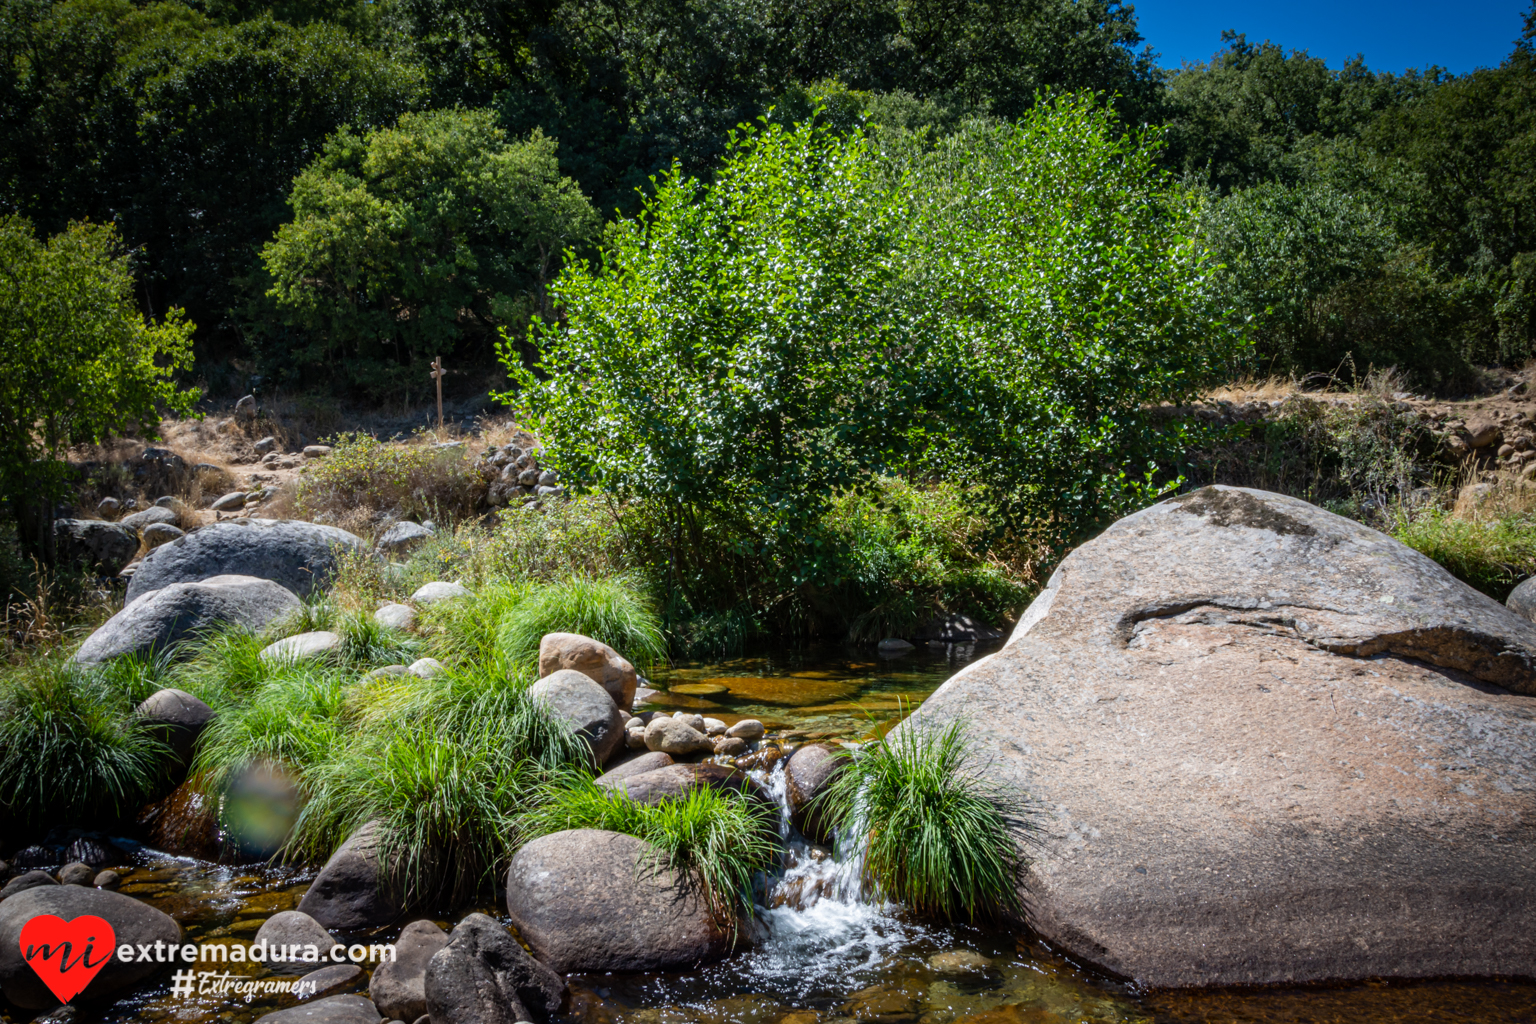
<point>484,977</point>
<point>348,1009</point>
<point>647,762</point>
<point>177,717</point>
<point>301,646</point>
<point>403,538</point>
<point>439,590</point>
<point>1267,745</point>
<point>591,658</point>
<point>395,616</point>
<point>234,501</point>
<point>156,534</point>
<point>1522,600</point>
<point>749,729</point>
<point>333,980</point>
<point>300,556</point>
<point>351,893</point>
<point>133,923</point>
<point>296,943</point>
<point>675,782</point>
<point>149,517</point>
<point>676,737</point>
<point>104,547</point>
<point>160,618</point>
<point>586,707</point>
<point>76,873</point>
<point>397,987</point>
<point>590,901</point>
<point>806,776</point>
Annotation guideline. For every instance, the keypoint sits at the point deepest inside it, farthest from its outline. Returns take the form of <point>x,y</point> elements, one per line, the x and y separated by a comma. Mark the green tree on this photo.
<point>77,361</point>
<point>421,239</point>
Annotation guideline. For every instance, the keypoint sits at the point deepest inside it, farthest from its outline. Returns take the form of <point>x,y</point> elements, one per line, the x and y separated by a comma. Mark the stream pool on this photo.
<point>832,959</point>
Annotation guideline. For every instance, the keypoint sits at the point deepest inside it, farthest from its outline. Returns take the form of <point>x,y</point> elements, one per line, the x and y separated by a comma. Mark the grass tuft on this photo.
<point>722,839</point>
<point>933,835</point>
<point>613,611</point>
<point>1490,554</point>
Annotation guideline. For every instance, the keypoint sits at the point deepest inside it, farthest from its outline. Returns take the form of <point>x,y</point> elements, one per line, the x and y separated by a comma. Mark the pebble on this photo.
<point>107,880</point>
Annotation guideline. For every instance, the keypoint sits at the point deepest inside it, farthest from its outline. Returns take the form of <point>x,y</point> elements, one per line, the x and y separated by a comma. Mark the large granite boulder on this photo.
<point>591,658</point>
<point>1522,600</point>
<point>484,977</point>
<point>591,901</point>
<point>573,698</point>
<point>103,547</point>
<point>1267,745</point>
<point>133,923</point>
<point>300,556</point>
<point>351,893</point>
<point>160,618</point>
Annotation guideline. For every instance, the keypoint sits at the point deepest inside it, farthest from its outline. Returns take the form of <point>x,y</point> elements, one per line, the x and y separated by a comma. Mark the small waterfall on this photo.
<point>821,927</point>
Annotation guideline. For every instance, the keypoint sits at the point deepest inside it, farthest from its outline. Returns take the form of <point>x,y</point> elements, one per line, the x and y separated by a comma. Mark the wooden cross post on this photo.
<point>437,374</point>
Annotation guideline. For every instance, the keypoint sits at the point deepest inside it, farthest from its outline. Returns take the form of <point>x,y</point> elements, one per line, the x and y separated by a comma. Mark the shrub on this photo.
<point>721,838</point>
<point>364,476</point>
<point>611,611</point>
<point>1491,554</point>
<point>71,749</point>
<point>930,832</point>
<point>291,721</point>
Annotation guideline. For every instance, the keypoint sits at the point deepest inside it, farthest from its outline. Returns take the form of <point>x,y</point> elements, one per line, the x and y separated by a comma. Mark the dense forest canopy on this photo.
<point>1365,217</point>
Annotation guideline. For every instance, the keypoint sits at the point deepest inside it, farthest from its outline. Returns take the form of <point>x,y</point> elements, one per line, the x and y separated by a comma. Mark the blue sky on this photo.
<point>1392,36</point>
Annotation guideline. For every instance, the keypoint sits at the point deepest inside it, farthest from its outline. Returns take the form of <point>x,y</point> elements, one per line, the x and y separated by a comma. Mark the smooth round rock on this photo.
<point>157,619</point>
<point>749,729</point>
<point>806,775</point>
<point>426,668</point>
<point>403,538</point>
<point>296,928</point>
<point>349,894</point>
<point>347,1009</point>
<point>76,874</point>
<point>299,556</point>
<point>396,616</point>
<point>26,880</point>
<point>302,646</point>
<point>574,698</point>
<point>178,717</point>
<point>156,534</point>
<point>591,901</point>
<point>438,590</point>
<point>152,516</point>
<point>234,501</point>
<point>397,987</point>
<point>676,737</point>
<point>602,663</point>
<point>647,762</point>
<point>106,880</point>
<point>133,923</point>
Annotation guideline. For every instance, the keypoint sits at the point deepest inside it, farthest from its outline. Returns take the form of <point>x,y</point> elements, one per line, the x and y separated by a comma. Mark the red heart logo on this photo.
<point>65,953</point>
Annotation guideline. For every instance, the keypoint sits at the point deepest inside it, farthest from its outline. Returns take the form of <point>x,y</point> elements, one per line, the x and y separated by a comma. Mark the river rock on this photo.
<point>482,976</point>
<point>156,534</point>
<point>1522,600</point>
<point>160,618</point>
<point>426,668</point>
<point>403,538</point>
<point>300,556</point>
<point>265,446</point>
<point>106,879</point>
<point>133,923</point>
<point>329,981</point>
<point>730,746</point>
<point>397,986</point>
<point>438,590</point>
<point>806,775</point>
<point>77,873</point>
<point>177,717</point>
<point>234,501</point>
<point>349,894</point>
<point>749,729</point>
<point>1269,745</point>
<point>395,616</point>
<point>294,928</point>
<point>301,646</point>
<point>676,737</point>
<point>590,657</point>
<point>27,880</point>
<point>586,707</point>
<point>591,901</point>
<point>675,782</point>
<point>647,762</point>
<point>348,1009</point>
<point>104,547</point>
<point>149,517</point>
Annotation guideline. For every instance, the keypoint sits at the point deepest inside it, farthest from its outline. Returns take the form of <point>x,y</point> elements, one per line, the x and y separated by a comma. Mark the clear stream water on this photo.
<point>828,956</point>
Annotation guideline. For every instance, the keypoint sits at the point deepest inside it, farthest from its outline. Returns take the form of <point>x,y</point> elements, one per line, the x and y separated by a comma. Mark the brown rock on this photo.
<point>638,765</point>
<point>592,901</point>
<point>1482,433</point>
<point>1271,745</point>
<point>676,781</point>
<point>596,660</point>
<point>397,987</point>
<point>806,775</point>
<point>184,823</point>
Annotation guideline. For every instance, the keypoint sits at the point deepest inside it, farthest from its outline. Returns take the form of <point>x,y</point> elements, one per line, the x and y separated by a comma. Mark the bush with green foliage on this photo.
<point>364,475</point>
<point>721,838</point>
<point>1491,553</point>
<point>78,361</point>
<point>929,832</point>
<point>419,240</point>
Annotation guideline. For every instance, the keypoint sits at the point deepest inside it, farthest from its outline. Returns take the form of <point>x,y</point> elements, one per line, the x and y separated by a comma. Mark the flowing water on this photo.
<point>825,954</point>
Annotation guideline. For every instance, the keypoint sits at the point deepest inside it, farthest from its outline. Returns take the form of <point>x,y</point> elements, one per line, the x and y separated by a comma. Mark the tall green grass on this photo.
<point>614,611</point>
<point>71,748</point>
<point>293,720</point>
<point>720,838</point>
<point>1490,554</point>
<point>933,835</point>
